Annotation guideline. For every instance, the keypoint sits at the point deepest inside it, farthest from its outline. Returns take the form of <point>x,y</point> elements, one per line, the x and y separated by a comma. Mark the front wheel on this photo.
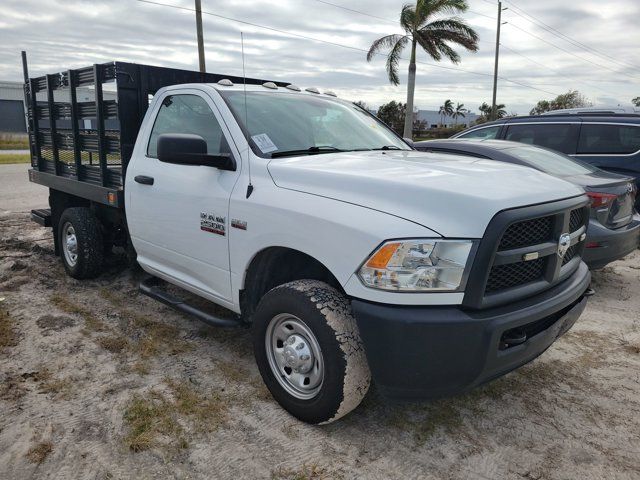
<point>308,349</point>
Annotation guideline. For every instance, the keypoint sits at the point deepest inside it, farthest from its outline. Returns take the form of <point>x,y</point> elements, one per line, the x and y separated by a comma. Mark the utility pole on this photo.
<point>203,68</point>
<point>495,68</point>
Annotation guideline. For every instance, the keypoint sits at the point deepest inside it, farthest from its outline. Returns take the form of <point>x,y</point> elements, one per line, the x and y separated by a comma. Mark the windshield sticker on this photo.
<point>264,143</point>
<point>212,223</point>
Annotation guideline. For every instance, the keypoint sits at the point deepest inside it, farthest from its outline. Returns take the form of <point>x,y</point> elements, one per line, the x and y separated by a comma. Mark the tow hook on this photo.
<point>512,337</point>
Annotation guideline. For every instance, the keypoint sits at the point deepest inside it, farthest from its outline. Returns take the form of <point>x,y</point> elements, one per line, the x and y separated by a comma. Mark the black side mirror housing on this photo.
<point>188,149</point>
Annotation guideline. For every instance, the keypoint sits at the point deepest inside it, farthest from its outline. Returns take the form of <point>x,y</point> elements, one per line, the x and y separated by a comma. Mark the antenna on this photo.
<point>246,117</point>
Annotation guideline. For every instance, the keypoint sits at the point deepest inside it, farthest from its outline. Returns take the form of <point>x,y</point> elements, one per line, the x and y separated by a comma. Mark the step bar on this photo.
<point>41,216</point>
<point>152,287</point>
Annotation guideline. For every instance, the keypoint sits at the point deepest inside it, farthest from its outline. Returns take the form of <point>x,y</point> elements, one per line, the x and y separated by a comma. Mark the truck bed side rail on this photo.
<point>83,123</point>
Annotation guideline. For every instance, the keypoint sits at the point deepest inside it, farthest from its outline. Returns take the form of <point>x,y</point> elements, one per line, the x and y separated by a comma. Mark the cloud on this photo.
<point>66,34</point>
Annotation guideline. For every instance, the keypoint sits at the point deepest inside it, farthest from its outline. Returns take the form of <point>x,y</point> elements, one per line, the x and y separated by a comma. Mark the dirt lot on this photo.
<point>99,382</point>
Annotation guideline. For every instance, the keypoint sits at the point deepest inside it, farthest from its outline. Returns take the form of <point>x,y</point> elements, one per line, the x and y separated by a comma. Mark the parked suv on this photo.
<point>607,140</point>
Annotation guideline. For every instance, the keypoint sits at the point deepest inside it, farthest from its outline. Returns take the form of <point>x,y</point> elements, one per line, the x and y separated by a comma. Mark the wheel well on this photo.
<point>276,266</point>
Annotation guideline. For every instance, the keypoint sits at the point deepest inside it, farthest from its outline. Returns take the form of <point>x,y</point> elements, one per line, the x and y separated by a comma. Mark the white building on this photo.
<point>433,119</point>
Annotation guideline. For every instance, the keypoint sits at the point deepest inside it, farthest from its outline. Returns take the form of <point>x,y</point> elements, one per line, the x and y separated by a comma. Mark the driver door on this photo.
<point>178,223</point>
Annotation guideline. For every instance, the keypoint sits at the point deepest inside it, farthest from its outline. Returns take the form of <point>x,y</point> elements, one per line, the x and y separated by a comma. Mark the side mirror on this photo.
<point>409,142</point>
<point>188,149</point>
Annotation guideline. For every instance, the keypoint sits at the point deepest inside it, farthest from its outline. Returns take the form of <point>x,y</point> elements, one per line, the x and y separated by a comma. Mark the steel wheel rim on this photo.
<point>70,244</point>
<point>294,355</point>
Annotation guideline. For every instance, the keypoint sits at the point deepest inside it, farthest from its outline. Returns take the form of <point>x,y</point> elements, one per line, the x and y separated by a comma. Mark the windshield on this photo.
<point>551,162</point>
<point>298,124</point>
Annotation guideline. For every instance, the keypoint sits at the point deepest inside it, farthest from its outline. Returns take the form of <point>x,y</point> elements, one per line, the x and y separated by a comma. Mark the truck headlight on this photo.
<point>420,265</point>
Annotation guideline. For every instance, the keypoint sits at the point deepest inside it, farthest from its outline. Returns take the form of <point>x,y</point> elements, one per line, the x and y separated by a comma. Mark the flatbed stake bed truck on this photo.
<point>354,258</point>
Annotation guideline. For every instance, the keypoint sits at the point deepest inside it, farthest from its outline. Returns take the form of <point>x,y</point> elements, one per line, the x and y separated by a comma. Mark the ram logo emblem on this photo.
<point>563,244</point>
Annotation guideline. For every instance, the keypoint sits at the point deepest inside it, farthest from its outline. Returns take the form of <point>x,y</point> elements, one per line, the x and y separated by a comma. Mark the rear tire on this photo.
<point>81,243</point>
<point>308,349</point>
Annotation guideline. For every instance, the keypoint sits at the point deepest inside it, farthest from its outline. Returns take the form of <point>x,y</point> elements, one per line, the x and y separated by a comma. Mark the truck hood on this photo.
<point>455,196</point>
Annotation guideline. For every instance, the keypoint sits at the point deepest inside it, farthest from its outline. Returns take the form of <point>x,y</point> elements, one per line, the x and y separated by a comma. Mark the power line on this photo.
<point>567,51</point>
<point>284,32</point>
<point>552,69</point>
<point>527,16</point>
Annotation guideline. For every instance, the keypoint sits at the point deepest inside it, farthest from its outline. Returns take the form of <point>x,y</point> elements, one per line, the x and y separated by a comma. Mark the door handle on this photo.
<point>144,180</point>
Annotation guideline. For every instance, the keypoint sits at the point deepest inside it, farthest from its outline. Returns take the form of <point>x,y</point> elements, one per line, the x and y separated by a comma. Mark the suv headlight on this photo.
<point>421,265</point>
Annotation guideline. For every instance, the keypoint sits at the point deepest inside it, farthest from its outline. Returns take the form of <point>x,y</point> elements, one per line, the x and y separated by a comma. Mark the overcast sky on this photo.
<point>601,57</point>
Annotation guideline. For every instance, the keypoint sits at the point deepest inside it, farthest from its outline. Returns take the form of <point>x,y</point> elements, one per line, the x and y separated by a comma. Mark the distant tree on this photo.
<point>424,24</point>
<point>362,105</point>
<point>485,110</point>
<point>419,126</point>
<point>460,111</point>
<point>636,101</point>
<point>446,110</point>
<point>571,99</point>
<point>393,114</point>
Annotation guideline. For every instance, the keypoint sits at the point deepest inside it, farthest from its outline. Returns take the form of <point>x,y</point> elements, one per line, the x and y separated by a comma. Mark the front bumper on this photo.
<point>433,351</point>
<point>614,244</point>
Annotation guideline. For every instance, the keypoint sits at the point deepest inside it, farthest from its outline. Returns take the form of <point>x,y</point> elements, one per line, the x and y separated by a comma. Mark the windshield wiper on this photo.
<point>308,151</point>
<point>387,147</point>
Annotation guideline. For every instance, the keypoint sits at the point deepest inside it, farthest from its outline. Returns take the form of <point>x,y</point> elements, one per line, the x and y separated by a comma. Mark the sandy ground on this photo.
<point>99,382</point>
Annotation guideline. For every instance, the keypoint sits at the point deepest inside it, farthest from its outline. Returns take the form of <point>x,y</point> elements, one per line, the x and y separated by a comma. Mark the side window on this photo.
<point>556,136</point>
<point>187,114</point>
<point>612,139</point>
<point>482,133</point>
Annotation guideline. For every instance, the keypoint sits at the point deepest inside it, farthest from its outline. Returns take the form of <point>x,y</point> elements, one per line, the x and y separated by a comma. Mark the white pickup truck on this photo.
<point>351,256</point>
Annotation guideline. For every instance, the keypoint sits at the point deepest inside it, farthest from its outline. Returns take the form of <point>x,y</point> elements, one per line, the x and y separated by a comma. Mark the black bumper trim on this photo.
<point>434,351</point>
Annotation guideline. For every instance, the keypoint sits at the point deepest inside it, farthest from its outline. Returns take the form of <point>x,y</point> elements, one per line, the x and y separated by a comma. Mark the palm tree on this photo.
<point>446,110</point>
<point>485,109</point>
<point>432,34</point>
<point>460,111</point>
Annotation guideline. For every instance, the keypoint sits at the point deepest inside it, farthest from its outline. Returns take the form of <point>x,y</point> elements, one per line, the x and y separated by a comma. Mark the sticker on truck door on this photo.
<point>212,223</point>
<point>264,143</point>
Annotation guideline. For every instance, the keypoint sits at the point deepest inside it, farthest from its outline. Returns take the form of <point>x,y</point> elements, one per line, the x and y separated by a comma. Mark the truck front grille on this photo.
<point>527,233</point>
<point>521,254</point>
<point>514,274</point>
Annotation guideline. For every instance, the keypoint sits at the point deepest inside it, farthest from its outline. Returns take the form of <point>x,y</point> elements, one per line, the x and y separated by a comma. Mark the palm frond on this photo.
<point>430,8</point>
<point>388,41</point>
<point>393,60</point>
<point>408,18</point>
<point>452,30</point>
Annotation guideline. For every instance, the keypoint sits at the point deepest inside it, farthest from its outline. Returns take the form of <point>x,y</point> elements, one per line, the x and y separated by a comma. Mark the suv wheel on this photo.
<point>309,352</point>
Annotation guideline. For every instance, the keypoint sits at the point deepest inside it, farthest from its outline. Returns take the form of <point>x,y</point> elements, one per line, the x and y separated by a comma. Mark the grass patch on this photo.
<point>39,452</point>
<point>10,158</point>
<point>14,141</point>
<point>92,323</point>
<point>113,343</point>
<point>157,419</point>
<point>8,334</point>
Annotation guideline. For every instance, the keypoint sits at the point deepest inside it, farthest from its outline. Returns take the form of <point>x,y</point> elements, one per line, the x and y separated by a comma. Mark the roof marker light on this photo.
<point>293,87</point>
<point>271,85</point>
<point>312,90</point>
<point>330,93</point>
<point>225,82</point>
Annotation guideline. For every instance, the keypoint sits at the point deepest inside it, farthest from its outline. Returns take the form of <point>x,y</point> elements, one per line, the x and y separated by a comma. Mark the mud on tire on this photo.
<point>89,249</point>
<point>326,313</point>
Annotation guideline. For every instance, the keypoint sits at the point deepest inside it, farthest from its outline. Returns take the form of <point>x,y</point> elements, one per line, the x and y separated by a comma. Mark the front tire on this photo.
<point>308,350</point>
<point>81,243</point>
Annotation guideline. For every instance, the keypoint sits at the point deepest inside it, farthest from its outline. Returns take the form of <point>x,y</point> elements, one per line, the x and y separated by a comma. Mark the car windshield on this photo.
<point>551,162</point>
<point>282,124</point>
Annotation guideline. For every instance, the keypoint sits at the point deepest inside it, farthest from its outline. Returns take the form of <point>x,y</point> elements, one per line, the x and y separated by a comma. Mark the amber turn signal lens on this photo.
<point>382,256</point>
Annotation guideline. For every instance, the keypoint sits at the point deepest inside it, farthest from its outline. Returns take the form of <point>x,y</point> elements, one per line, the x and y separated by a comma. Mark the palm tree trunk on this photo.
<point>408,119</point>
